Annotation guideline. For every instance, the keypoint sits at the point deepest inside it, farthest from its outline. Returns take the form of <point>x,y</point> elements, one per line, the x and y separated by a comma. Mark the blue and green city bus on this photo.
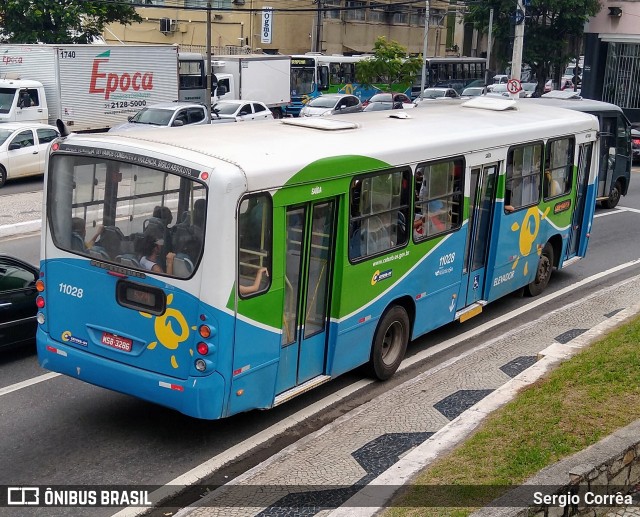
<point>237,267</point>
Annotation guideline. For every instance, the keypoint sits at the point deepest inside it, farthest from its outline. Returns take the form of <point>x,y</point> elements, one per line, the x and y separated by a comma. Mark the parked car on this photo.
<point>23,148</point>
<point>500,90</point>
<point>438,93</point>
<point>390,98</point>
<point>239,111</point>
<point>17,301</point>
<point>565,83</point>
<point>331,104</point>
<point>165,114</point>
<point>635,145</point>
<point>473,91</point>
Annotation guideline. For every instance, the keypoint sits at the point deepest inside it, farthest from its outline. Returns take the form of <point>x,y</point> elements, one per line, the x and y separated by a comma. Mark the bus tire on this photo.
<point>3,176</point>
<point>614,196</point>
<point>543,272</point>
<point>389,343</point>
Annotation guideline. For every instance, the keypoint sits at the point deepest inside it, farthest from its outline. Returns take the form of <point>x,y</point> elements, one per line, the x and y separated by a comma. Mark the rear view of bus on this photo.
<point>119,303</point>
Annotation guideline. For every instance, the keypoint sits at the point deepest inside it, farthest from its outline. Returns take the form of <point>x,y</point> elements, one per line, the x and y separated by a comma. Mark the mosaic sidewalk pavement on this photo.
<point>325,469</point>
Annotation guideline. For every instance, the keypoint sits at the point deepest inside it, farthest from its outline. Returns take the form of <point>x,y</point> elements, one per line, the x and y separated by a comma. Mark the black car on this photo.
<point>17,302</point>
<point>635,145</point>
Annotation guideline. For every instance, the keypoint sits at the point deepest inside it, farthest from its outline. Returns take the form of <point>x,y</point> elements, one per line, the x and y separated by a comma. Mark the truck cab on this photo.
<point>23,101</point>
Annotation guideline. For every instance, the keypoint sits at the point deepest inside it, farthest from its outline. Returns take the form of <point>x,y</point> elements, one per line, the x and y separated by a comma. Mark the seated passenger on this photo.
<point>151,250</point>
<point>79,233</point>
<point>249,289</point>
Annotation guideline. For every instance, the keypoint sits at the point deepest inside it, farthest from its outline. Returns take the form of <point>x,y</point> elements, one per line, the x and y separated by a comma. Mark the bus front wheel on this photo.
<point>3,176</point>
<point>389,343</point>
<point>614,196</point>
<point>543,273</point>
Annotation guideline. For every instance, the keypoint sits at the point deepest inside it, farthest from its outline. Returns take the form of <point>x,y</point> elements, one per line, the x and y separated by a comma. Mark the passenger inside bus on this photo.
<point>151,252</point>
<point>250,289</point>
<point>552,185</point>
<point>78,234</point>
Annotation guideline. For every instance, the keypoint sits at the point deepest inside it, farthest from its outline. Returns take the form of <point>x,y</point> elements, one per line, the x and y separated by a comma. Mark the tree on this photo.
<point>60,21</point>
<point>389,66</point>
<point>553,30</point>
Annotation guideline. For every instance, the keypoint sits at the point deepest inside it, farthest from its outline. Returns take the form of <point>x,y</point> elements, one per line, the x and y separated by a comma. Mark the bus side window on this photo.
<point>524,168</point>
<point>379,212</point>
<point>255,218</point>
<point>558,167</point>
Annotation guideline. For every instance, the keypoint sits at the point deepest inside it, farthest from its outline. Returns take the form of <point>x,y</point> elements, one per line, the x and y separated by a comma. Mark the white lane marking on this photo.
<point>628,209</point>
<point>211,465</point>
<point>27,383</point>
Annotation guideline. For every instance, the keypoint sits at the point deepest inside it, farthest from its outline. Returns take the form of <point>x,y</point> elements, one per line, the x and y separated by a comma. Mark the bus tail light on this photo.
<point>203,348</point>
<point>205,331</point>
<point>201,365</point>
<point>40,302</point>
<point>39,286</point>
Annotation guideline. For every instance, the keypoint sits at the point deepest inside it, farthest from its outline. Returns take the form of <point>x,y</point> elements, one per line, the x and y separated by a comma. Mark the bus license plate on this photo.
<point>121,343</point>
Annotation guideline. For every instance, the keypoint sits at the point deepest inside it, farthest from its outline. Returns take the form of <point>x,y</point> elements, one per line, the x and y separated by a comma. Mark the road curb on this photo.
<point>12,230</point>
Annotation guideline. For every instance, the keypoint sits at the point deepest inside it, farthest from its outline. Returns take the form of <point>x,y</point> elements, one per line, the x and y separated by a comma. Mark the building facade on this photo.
<point>285,27</point>
<point>612,56</point>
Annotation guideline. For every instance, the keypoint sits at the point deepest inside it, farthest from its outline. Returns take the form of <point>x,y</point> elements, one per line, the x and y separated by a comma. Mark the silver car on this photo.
<point>165,114</point>
<point>331,104</point>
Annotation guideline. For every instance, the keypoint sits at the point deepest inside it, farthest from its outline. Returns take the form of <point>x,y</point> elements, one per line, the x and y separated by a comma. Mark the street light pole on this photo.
<point>518,40</point>
<point>207,97</point>
<point>489,44</point>
<point>424,49</point>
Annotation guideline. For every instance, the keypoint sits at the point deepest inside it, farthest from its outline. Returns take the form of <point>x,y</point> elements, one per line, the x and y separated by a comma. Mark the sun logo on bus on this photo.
<point>528,233</point>
<point>171,329</point>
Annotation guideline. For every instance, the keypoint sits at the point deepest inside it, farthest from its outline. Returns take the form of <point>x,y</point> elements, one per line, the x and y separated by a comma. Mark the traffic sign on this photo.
<point>518,16</point>
<point>514,86</point>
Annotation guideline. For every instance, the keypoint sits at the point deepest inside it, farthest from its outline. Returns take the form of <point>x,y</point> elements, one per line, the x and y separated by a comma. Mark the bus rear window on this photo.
<point>127,214</point>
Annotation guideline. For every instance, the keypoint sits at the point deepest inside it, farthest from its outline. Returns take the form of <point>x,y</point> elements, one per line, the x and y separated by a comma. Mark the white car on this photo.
<point>438,93</point>
<point>23,148</point>
<point>165,114</point>
<point>239,111</point>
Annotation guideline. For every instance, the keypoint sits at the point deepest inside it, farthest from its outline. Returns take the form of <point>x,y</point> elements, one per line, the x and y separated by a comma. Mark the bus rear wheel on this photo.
<point>389,343</point>
<point>543,273</point>
<point>614,196</point>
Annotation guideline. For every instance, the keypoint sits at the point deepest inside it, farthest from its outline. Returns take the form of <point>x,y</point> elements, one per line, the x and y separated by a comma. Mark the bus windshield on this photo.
<point>127,214</point>
<point>301,81</point>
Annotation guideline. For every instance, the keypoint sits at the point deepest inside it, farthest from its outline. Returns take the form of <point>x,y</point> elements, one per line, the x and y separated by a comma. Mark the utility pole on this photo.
<point>207,64</point>
<point>518,40</point>
<point>489,44</point>
<point>424,49</point>
<point>318,34</point>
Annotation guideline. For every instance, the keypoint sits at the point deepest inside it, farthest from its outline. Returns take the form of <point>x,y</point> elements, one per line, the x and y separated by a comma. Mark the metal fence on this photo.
<point>622,75</point>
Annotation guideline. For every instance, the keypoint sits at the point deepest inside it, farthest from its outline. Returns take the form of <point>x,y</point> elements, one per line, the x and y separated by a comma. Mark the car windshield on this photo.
<point>433,94</point>
<point>529,87</point>
<point>381,97</point>
<point>472,91</point>
<point>6,99</point>
<point>323,102</point>
<point>153,116</point>
<point>225,108</point>
<point>499,88</point>
<point>378,106</point>
<point>4,134</point>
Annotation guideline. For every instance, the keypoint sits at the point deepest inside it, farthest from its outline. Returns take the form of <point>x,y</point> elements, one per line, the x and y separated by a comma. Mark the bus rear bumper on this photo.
<point>200,397</point>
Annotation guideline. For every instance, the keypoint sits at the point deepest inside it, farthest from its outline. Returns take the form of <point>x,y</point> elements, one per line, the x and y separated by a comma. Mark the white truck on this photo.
<point>253,77</point>
<point>88,87</point>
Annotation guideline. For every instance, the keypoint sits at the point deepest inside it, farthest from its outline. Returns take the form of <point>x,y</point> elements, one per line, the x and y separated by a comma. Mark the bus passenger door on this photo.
<point>481,202</point>
<point>577,222</point>
<point>308,274</point>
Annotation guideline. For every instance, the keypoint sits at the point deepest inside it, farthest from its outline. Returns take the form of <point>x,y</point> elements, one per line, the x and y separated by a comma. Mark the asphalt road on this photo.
<point>62,431</point>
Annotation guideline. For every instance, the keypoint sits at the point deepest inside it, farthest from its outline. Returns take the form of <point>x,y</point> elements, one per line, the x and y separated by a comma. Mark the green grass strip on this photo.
<point>578,403</point>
